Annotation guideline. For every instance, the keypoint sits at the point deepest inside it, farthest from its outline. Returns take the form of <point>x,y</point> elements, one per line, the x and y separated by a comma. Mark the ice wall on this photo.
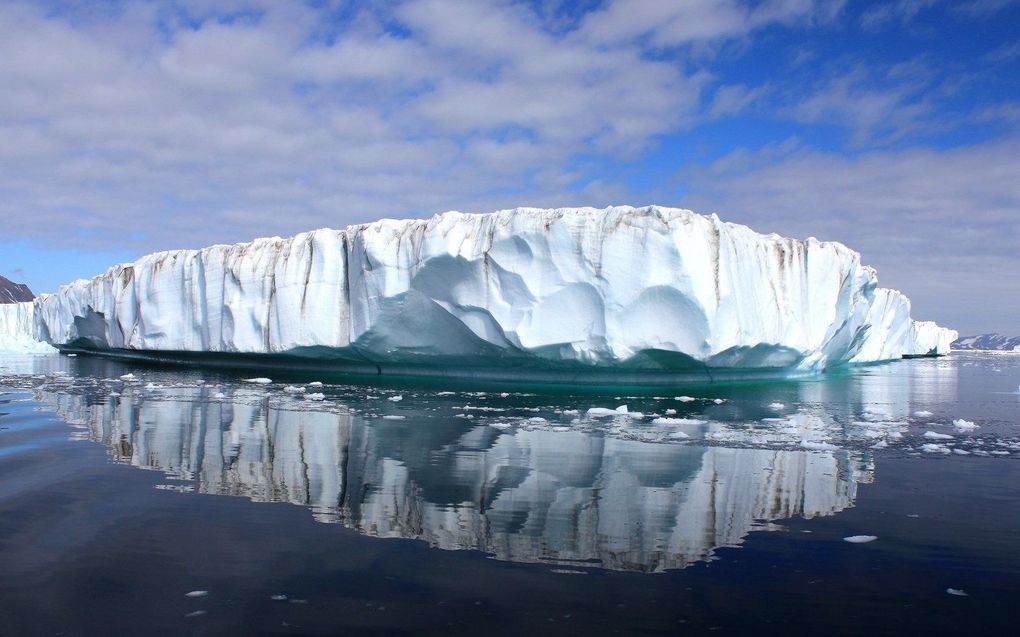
<point>621,288</point>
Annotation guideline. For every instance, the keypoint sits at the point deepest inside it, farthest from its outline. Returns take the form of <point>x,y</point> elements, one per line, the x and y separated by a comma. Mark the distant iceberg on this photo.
<point>644,294</point>
<point>17,331</point>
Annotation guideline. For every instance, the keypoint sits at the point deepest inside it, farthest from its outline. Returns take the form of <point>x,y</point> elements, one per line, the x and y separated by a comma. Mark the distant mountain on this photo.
<point>11,292</point>
<point>988,341</point>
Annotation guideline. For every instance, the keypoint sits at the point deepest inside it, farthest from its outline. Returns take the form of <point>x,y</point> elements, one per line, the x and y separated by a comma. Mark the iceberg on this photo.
<point>17,330</point>
<point>648,294</point>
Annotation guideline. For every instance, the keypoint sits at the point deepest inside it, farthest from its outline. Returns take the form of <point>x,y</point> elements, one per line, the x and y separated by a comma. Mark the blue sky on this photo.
<point>129,127</point>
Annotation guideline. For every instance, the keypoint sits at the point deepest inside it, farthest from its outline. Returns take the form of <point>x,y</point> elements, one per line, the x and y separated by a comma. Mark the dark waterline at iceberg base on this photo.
<point>445,509</point>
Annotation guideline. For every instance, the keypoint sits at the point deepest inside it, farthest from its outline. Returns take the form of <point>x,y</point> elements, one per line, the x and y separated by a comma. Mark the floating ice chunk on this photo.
<point>292,389</point>
<point>258,381</point>
<point>931,435</point>
<point>599,412</point>
<point>718,401</point>
<point>685,399</point>
<point>961,452</point>
<point>278,598</point>
<point>934,448</point>
<point>72,356</point>
<point>959,592</point>
<point>500,425</point>
<point>394,417</point>
<point>196,594</point>
<point>815,445</point>
<point>881,444</point>
<point>561,428</point>
<point>678,434</point>
<point>315,383</point>
<point>219,394</point>
<point>128,377</point>
<point>921,413</point>
<point>396,399</point>
<point>860,539</point>
<point>315,396</point>
<point>670,412</point>
<point>114,394</point>
<point>570,412</point>
<point>196,613</point>
<point>777,406</point>
<point>678,421</point>
<point>964,425</point>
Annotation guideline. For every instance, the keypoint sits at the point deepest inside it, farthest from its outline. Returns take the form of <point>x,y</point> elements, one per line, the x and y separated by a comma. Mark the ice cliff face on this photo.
<point>17,328</point>
<point>625,289</point>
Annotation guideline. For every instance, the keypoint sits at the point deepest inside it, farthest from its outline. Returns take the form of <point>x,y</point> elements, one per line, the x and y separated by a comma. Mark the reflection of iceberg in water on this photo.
<point>522,495</point>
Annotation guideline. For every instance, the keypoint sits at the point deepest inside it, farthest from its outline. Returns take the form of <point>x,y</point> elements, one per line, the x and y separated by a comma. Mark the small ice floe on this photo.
<point>670,412</point>
<point>561,428</point>
<point>959,592</point>
<point>685,399</point>
<point>114,394</point>
<point>128,377</point>
<point>315,383</point>
<point>261,380</point>
<point>777,406</point>
<point>678,435</point>
<point>538,420</point>
<point>934,448</point>
<point>394,417</point>
<point>196,613</point>
<point>396,399</point>
<point>860,539</point>
<point>278,598</point>
<point>964,425</point>
<point>599,412</point>
<point>219,394</point>
<point>881,444</point>
<point>817,445</point>
<point>293,389</point>
<point>504,395</point>
<point>196,594</point>
<point>72,355</point>
<point>921,413</point>
<point>152,386</point>
<point>961,452</point>
<point>500,425</point>
<point>315,396</point>
<point>718,401</point>
<point>931,435</point>
<point>570,412</point>
<point>678,421</point>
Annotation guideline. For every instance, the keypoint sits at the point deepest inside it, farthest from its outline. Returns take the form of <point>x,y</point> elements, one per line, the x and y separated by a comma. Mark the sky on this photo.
<point>128,127</point>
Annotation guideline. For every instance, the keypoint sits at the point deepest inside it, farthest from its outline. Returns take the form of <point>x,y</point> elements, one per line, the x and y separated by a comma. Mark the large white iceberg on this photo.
<point>646,292</point>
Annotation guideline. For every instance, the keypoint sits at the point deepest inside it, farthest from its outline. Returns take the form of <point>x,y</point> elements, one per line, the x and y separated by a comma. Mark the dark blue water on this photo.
<point>456,510</point>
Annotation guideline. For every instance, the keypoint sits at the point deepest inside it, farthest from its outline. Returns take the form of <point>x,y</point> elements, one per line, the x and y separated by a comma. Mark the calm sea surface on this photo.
<point>153,500</point>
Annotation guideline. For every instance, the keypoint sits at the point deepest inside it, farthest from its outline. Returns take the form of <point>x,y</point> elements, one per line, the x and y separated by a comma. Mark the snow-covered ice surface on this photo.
<point>523,292</point>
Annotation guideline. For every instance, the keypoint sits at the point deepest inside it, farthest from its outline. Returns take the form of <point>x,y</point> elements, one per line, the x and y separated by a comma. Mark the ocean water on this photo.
<point>155,500</point>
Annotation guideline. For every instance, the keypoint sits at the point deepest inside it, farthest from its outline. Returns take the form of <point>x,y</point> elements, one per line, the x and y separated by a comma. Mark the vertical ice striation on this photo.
<point>622,288</point>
